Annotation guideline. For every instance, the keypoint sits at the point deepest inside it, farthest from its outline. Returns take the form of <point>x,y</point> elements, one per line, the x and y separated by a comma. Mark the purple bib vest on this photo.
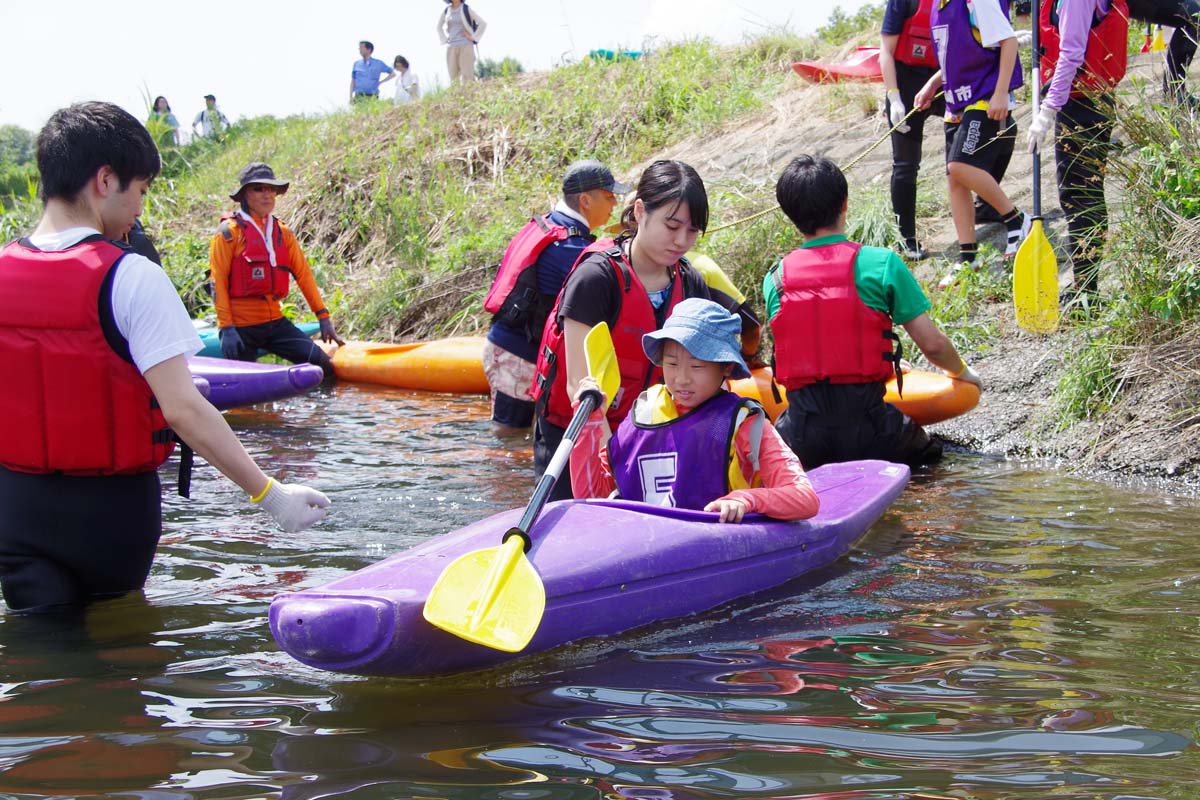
<point>682,463</point>
<point>969,70</point>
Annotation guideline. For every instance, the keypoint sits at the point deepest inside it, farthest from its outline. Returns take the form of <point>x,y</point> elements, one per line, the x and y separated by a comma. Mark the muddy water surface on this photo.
<point>1004,632</point>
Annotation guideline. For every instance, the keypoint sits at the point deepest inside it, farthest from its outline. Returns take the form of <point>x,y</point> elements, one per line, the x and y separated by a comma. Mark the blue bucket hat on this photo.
<point>707,331</point>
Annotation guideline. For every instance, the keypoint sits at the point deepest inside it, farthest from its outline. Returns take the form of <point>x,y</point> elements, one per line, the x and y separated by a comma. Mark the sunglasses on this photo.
<point>262,187</point>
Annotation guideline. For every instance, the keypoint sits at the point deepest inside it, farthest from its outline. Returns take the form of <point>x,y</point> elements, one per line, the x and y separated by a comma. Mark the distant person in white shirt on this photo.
<point>407,88</point>
<point>210,122</point>
<point>460,29</point>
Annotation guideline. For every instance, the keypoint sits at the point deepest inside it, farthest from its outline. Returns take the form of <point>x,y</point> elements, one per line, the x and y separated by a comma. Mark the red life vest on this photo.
<point>915,46</point>
<point>635,317</point>
<point>514,297</point>
<point>824,331</point>
<point>72,402</point>
<point>1106,57</point>
<point>251,273</point>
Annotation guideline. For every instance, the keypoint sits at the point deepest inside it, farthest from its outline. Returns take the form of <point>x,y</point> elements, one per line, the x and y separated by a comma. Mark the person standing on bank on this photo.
<point>251,257</point>
<point>93,345</point>
<point>1084,45</point>
<point>632,284</point>
<point>531,274</point>
<point>408,89</point>
<point>907,59</point>
<point>366,72</point>
<point>460,29</point>
<point>210,123</point>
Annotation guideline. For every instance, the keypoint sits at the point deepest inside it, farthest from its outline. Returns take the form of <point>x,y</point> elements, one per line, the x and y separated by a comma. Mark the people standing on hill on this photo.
<point>460,28</point>
<point>164,122</point>
<point>831,305</point>
<point>1184,17</point>
<point>407,87</point>
<point>93,346</point>
<point>531,274</point>
<point>210,122</point>
<point>365,74</point>
<point>251,257</point>
<point>631,283</point>
<point>977,52</point>
<point>1084,45</point>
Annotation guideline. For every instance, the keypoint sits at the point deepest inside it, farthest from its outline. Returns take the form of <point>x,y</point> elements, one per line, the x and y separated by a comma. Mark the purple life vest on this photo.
<point>681,463</point>
<point>969,70</point>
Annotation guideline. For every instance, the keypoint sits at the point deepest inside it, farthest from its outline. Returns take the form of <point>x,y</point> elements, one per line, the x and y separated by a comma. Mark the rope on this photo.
<point>849,166</point>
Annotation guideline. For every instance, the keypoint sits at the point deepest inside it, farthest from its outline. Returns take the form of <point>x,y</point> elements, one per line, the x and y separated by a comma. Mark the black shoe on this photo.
<point>912,251</point>
<point>984,213</point>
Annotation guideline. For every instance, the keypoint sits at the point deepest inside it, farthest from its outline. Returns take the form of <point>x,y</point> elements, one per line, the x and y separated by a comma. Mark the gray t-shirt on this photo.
<point>456,31</point>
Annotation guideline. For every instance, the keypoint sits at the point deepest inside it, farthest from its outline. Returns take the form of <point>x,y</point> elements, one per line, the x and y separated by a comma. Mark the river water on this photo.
<point>1005,631</point>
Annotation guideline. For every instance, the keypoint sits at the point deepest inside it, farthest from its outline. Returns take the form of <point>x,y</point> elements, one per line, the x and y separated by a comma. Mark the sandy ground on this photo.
<point>1151,433</point>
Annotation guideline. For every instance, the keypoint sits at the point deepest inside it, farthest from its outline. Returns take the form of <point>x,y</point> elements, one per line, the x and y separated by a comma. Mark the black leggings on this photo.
<point>906,147</point>
<point>1184,16</point>
<point>66,541</point>
<point>1084,130</point>
<point>280,337</point>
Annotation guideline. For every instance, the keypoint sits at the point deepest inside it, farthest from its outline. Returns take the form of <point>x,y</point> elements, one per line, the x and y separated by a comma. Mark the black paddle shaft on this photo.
<point>1037,80</point>
<point>590,400</point>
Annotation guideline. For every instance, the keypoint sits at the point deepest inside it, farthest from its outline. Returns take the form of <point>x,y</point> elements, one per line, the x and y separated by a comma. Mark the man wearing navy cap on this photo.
<point>530,276</point>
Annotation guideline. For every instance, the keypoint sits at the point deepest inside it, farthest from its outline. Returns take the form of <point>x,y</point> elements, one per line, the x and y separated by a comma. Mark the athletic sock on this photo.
<point>1016,223</point>
<point>1012,220</point>
<point>967,252</point>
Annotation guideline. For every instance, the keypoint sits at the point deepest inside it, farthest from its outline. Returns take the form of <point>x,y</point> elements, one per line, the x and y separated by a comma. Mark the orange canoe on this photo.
<point>929,397</point>
<point>444,365</point>
<point>862,66</point>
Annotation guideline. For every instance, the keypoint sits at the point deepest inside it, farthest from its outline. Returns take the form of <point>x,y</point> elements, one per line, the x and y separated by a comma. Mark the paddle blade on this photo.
<point>602,360</point>
<point>1035,282</point>
<point>492,597</point>
<point>1158,45</point>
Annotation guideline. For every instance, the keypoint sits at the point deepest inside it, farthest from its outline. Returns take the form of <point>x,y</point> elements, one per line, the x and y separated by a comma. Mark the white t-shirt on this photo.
<point>406,86</point>
<point>146,307</point>
<point>993,24</point>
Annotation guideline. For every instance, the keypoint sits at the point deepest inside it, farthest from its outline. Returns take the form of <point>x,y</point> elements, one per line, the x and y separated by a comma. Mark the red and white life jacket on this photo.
<point>514,297</point>
<point>263,267</point>
<point>1106,57</point>
<point>823,330</point>
<point>73,402</point>
<point>915,46</point>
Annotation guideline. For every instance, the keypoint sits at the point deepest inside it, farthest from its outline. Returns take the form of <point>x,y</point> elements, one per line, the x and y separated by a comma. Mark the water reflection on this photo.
<point>1004,633</point>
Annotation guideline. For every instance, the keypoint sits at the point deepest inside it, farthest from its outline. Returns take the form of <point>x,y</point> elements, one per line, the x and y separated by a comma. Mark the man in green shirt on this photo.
<point>831,306</point>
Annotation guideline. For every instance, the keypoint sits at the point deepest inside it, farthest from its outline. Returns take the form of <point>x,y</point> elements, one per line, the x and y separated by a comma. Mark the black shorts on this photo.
<point>979,141</point>
<point>66,541</point>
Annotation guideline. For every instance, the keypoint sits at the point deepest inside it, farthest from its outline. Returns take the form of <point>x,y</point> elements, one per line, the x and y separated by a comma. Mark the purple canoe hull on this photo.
<point>243,383</point>
<point>608,566</point>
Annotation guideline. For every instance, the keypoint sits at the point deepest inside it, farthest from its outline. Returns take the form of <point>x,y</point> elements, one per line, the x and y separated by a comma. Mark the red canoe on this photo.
<point>862,66</point>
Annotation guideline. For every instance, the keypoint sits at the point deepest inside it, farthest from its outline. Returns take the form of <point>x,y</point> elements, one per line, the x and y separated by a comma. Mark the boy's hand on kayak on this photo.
<point>292,506</point>
<point>730,510</point>
<point>328,334</point>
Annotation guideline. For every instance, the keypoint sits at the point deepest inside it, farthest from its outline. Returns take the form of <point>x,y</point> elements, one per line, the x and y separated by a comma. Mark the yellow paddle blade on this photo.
<point>1035,282</point>
<point>602,360</point>
<point>492,597</point>
<point>1158,45</point>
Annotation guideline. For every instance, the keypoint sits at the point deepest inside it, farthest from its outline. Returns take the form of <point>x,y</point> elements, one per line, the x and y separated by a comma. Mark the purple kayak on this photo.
<point>243,383</point>
<point>608,566</point>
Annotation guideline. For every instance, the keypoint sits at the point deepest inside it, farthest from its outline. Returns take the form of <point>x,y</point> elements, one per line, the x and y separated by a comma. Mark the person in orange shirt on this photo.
<point>251,257</point>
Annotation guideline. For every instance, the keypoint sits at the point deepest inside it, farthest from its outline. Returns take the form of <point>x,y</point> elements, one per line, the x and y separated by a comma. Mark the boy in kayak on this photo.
<point>831,305</point>
<point>662,453</point>
<point>93,346</point>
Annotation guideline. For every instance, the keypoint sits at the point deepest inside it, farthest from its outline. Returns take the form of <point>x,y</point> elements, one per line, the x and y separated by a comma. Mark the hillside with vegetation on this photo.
<point>404,212</point>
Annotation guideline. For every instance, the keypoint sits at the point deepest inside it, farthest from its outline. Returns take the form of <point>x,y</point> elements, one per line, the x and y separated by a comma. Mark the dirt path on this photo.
<point>1151,434</point>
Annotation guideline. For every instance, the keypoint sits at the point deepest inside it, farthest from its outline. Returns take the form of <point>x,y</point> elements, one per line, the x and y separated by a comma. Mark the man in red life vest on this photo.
<point>531,274</point>
<point>1084,44</point>
<point>93,346</point>
<point>252,257</point>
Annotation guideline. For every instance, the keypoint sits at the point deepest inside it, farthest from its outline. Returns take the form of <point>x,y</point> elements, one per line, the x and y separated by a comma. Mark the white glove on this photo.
<point>969,375</point>
<point>1024,37</point>
<point>1042,122</point>
<point>897,112</point>
<point>293,507</point>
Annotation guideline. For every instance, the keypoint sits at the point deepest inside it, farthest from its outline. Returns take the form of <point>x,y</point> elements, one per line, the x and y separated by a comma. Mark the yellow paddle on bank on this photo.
<point>494,596</point>
<point>1035,270</point>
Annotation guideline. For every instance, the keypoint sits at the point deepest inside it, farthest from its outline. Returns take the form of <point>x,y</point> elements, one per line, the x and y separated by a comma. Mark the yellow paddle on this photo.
<point>494,596</point>
<point>1035,270</point>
